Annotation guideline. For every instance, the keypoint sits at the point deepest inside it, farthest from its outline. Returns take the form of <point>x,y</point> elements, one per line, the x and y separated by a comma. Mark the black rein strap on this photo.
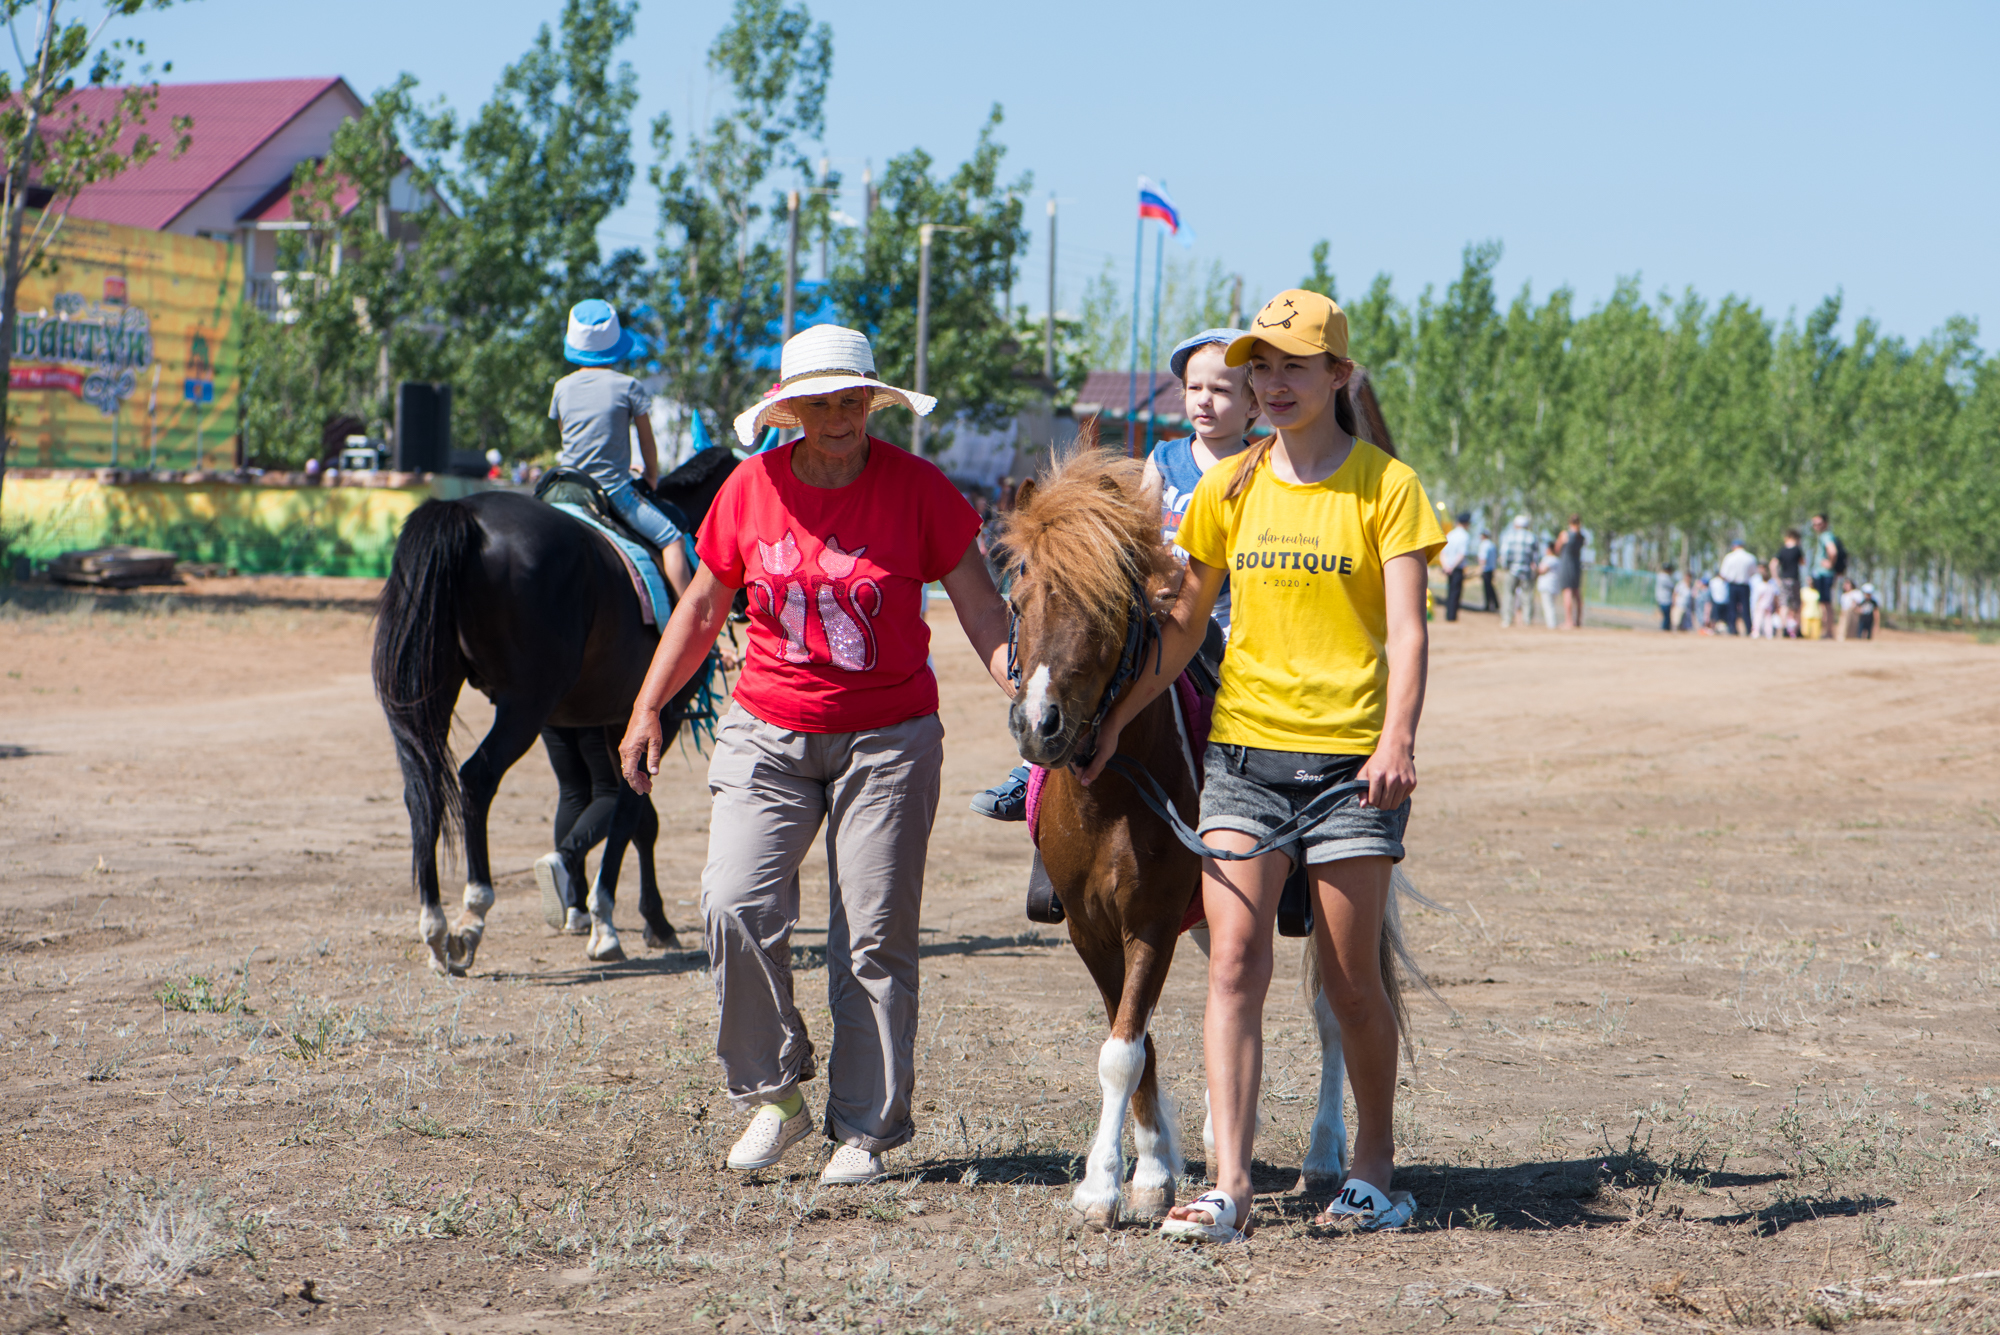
<point>1317,807</point>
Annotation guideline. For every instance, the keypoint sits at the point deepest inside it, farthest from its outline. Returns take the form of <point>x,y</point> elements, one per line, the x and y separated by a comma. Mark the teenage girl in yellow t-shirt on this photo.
<point>1325,540</point>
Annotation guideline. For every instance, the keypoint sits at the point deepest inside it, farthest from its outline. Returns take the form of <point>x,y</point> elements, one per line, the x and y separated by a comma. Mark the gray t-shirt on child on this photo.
<point>596,406</point>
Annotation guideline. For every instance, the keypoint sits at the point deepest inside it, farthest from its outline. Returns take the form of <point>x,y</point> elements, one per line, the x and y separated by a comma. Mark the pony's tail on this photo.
<point>416,661</point>
<point>1395,952</point>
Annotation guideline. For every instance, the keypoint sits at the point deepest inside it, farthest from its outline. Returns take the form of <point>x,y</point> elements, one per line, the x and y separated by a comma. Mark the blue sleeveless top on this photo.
<point>1178,474</point>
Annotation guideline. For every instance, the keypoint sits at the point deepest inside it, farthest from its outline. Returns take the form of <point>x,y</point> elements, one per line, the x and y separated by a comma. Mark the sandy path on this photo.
<point>1709,898</point>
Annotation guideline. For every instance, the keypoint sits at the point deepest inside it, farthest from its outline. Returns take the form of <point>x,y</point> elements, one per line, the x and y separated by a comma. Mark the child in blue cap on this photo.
<point>1220,406</point>
<point>598,409</point>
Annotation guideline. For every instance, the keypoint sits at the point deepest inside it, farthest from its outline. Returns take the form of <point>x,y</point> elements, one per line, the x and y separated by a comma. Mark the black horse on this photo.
<point>534,611</point>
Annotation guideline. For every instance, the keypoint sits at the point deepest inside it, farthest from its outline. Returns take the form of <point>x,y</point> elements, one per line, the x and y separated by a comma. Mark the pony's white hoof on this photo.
<point>1149,1202</point>
<point>463,943</point>
<point>604,945</point>
<point>431,930</point>
<point>478,899</point>
<point>1100,1216</point>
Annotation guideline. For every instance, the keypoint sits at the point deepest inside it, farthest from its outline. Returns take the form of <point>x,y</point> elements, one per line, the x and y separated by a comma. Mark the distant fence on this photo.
<point>272,525</point>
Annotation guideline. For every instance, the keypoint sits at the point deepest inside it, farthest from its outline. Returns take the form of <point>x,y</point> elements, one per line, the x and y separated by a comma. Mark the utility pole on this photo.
<point>867,197</point>
<point>1049,325</point>
<point>924,231</point>
<point>1236,302</point>
<point>791,264</point>
<point>826,232</point>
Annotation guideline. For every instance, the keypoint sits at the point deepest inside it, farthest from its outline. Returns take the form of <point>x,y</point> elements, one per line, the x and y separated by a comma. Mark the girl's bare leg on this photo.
<point>1352,896</point>
<point>1242,904</point>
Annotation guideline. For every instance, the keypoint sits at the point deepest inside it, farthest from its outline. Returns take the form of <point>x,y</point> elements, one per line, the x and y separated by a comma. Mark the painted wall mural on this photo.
<point>126,351</point>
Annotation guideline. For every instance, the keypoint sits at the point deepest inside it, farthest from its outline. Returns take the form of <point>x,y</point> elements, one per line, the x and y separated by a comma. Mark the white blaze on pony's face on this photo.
<point>1035,698</point>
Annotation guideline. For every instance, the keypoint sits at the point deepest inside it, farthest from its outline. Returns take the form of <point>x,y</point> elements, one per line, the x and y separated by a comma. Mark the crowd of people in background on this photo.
<point>1517,571</point>
<point>1802,592</point>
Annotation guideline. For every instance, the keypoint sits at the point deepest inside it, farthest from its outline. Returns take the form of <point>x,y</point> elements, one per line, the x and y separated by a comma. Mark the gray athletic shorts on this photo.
<point>1253,791</point>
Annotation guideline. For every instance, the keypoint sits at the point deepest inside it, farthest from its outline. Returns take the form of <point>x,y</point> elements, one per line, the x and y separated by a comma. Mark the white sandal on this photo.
<point>1377,1211</point>
<point>1221,1210</point>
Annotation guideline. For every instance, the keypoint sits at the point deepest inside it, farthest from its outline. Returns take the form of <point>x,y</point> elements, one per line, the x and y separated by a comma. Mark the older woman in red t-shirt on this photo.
<point>835,720</point>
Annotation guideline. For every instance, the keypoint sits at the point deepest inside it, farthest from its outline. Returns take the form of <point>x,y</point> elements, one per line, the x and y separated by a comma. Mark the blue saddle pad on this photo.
<point>658,605</point>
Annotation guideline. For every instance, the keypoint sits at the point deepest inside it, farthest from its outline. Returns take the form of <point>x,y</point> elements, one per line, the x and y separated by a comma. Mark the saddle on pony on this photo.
<point>578,495</point>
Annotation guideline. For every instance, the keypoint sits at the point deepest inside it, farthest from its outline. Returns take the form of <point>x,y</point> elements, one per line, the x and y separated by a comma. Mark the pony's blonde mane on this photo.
<point>1091,526</point>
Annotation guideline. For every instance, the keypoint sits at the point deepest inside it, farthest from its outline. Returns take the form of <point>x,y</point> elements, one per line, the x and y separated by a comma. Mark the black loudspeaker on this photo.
<point>423,427</point>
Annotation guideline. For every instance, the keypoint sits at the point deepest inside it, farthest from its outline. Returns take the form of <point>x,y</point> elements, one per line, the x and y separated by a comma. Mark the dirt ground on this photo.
<point>1717,1043</point>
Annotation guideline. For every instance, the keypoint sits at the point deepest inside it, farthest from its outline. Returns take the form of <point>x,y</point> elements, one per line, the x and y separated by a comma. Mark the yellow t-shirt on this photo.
<point>1306,669</point>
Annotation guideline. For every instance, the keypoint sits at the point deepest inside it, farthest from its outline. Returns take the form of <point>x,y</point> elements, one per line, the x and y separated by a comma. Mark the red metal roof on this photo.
<point>277,206</point>
<point>1109,393</point>
<point>231,121</point>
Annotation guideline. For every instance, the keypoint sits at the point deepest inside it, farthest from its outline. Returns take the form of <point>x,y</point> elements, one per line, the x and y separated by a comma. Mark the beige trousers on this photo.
<point>877,794</point>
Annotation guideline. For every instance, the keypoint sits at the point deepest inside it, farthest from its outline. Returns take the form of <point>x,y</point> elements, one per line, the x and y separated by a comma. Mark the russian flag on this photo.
<point>1153,203</point>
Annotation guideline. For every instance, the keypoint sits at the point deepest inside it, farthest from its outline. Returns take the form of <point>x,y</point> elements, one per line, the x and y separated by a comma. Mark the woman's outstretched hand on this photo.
<point>639,753</point>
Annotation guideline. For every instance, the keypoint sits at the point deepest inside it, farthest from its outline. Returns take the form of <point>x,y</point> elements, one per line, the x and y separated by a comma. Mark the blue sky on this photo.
<point>1775,150</point>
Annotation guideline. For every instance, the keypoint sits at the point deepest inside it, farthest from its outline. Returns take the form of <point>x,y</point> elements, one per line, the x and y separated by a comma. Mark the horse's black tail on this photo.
<point>417,665</point>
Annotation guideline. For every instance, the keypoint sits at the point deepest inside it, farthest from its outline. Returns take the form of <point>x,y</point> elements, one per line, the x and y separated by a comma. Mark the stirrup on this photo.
<point>1044,905</point>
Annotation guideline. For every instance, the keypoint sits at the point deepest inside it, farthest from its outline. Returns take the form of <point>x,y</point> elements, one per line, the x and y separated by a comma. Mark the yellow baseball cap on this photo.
<point>1295,321</point>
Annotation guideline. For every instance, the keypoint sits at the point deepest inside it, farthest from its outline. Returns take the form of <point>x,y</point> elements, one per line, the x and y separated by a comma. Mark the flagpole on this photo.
<point>1153,357</point>
<point>1132,378</point>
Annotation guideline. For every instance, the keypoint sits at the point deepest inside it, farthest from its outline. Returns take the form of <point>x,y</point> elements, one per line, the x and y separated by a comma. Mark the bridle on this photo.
<point>1139,632</point>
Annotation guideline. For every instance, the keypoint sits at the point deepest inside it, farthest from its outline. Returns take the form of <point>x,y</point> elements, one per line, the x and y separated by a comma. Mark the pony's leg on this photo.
<point>1154,1132</point>
<point>1121,1062</point>
<point>1326,1156</point>
<point>426,820</point>
<point>660,934</point>
<point>515,727</point>
<point>1123,1065</point>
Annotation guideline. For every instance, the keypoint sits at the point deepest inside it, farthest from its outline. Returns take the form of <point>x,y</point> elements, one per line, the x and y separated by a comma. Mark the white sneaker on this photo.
<point>852,1166</point>
<point>577,923</point>
<point>768,1136</point>
<point>553,877</point>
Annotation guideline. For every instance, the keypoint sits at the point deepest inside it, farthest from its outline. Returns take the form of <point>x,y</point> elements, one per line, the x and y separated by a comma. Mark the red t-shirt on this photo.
<point>836,576</point>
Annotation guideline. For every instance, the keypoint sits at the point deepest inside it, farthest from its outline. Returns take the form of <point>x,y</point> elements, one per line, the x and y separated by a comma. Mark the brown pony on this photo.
<point>1085,545</point>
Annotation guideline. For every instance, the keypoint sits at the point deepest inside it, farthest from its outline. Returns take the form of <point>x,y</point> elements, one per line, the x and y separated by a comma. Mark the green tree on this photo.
<point>718,292</point>
<point>51,147</point>
<point>978,363</point>
<point>538,170</point>
<point>357,289</point>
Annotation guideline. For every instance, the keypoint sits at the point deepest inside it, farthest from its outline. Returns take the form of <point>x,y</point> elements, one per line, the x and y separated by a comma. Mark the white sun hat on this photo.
<point>824,359</point>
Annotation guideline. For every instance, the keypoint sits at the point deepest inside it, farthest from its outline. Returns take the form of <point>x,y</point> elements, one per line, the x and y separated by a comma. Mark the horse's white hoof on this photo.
<point>1099,1215</point>
<point>431,930</point>
<point>1149,1202</point>
<point>463,943</point>
<point>604,945</point>
<point>1318,1184</point>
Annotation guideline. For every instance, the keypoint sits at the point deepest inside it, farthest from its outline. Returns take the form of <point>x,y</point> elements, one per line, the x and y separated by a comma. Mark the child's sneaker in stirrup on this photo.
<point>768,1136</point>
<point>852,1166</point>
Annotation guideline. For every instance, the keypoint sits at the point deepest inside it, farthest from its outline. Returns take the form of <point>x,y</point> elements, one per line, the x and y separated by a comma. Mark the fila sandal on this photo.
<point>1221,1211</point>
<point>1374,1209</point>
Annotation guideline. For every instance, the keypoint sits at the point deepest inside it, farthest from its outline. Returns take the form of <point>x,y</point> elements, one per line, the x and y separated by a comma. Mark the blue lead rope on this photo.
<point>1321,805</point>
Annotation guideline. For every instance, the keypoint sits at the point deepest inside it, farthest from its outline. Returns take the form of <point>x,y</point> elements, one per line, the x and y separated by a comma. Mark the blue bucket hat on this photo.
<point>1187,347</point>
<point>595,338</point>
